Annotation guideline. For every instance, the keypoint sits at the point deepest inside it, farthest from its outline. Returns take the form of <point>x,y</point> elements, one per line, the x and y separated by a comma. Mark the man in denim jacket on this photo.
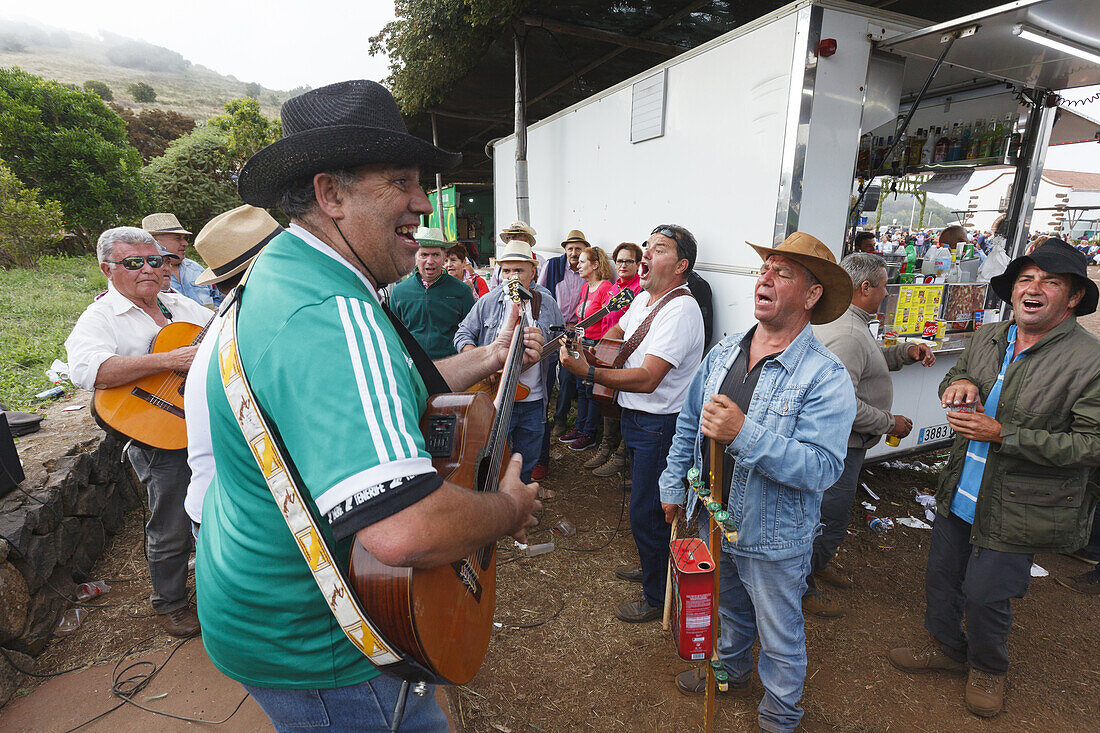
<point>782,406</point>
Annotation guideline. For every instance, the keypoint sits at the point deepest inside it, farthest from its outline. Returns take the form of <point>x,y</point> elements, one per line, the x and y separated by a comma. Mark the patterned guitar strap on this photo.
<point>635,340</point>
<point>282,480</point>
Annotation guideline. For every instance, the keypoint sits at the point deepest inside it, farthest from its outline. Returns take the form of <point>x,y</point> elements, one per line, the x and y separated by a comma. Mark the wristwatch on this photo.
<point>591,373</point>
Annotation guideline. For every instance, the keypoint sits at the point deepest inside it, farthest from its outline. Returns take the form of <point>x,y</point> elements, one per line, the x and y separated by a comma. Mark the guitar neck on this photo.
<point>551,347</point>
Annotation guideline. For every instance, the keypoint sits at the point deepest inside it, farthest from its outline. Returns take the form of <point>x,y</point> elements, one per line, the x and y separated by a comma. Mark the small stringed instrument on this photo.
<point>150,410</point>
<point>443,616</point>
<point>603,355</point>
<point>618,302</point>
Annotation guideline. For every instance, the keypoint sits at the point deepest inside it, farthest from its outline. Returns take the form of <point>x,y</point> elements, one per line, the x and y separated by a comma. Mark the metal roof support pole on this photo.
<point>438,183</point>
<point>1029,171</point>
<point>523,204</point>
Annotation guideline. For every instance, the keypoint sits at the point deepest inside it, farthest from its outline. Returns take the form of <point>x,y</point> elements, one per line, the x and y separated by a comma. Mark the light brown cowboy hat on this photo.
<point>163,224</point>
<point>575,235</point>
<point>231,239</point>
<point>811,253</point>
<point>516,251</point>
<point>518,229</point>
<point>431,237</point>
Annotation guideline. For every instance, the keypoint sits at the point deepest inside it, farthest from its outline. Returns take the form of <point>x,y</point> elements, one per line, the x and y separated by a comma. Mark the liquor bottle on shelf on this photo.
<point>928,149</point>
<point>986,150</point>
<point>977,134</point>
<point>943,146</point>
<point>955,152</point>
<point>863,161</point>
<point>916,145</point>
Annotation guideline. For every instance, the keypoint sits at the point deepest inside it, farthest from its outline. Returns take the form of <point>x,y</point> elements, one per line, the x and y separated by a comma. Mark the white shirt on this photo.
<point>115,326</point>
<point>200,446</point>
<point>676,336</point>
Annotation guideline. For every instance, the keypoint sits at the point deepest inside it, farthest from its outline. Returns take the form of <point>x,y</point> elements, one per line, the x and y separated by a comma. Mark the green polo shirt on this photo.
<point>433,313</point>
<point>332,374</point>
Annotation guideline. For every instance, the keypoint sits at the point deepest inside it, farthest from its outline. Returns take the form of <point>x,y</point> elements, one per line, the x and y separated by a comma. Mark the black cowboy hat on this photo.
<point>1053,256</point>
<point>343,125</point>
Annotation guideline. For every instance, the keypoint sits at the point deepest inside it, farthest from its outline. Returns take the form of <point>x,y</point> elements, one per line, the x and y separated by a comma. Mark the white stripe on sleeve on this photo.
<point>390,393</point>
<point>361,382</point>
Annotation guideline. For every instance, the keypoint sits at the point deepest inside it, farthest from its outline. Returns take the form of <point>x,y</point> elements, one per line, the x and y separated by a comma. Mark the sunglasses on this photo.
<point>666,232</point>
<point>136,263</point>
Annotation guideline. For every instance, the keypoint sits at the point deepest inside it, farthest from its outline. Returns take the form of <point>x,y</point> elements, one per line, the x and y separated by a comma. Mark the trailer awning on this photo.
<point>1040,44</point>
<point>1074,127</point>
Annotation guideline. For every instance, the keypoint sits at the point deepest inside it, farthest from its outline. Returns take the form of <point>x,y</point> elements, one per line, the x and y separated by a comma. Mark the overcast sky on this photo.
<point>278,43</point>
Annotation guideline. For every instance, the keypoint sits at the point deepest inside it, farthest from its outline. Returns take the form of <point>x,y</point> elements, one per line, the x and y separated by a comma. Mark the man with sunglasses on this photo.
<point>664,339</point>
<point>109,347</point>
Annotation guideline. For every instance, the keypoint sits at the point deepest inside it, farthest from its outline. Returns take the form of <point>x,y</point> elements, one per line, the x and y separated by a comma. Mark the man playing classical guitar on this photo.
<point>109,347</point>
<point>652,383</point>
<point>482,326</point>
<point>345,385</point>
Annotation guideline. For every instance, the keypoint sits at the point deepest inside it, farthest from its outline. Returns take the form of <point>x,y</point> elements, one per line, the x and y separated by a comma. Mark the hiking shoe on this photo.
<point>571,436</point>
<point>927,658</point>
<point>694,682</point>
<point>818,606</point>
<point>599,459</point>
<point>612,466</point>
<point>985,693</point>
<point>830,576</point>
<point>183,622</point>
<point>1080,556</point>
<point>634,575</point>
<point>584,441</point>
<point>559,430</point>
<point>1086,583</point>
<point>538,473</point>
<point>638,612</point>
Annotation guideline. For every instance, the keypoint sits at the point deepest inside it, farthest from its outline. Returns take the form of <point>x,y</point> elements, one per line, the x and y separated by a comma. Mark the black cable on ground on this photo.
<point>534,624</point>
<point>614,532</point>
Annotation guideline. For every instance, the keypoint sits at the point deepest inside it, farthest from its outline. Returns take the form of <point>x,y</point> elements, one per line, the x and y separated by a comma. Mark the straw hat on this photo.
<point>811,253</point>
<point>163,224</point>
<point>575,235</point>
<point>518,229</point>
<point>517,251</point>
<point>231,239</point>
<point>431,237</point>
<point>342,125</point>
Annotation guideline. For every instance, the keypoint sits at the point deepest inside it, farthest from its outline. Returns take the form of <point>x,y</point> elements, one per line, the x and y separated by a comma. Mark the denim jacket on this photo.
<point>790,449</point>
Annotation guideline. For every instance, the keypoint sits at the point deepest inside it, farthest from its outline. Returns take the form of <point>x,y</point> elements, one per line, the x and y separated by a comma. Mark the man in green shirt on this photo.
<point>432,303</point>
<point>344,385</point>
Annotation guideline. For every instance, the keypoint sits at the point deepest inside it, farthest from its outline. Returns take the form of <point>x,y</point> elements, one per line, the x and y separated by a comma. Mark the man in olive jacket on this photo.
<point>1024,400</point>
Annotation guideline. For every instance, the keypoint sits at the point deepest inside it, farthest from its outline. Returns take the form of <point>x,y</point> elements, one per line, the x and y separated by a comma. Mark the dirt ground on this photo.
<point>561,661</point>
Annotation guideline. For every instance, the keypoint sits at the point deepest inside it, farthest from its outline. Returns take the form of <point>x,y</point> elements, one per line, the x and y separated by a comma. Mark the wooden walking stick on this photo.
<point>668,578</point>
<point>715,544</point>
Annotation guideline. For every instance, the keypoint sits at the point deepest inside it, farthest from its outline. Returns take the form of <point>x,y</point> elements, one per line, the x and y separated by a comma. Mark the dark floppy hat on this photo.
<point>1055,256</point>
<point>342,125</point>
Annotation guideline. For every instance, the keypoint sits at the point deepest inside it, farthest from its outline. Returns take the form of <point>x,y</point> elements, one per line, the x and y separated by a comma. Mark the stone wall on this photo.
<point>76,494</point>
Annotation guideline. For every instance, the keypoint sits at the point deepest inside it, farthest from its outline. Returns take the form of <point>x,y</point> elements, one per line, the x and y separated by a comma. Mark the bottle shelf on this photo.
<point>954,165</point>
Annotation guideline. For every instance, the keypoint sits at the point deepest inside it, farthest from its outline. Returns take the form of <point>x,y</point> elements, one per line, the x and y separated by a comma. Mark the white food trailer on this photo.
<point>756,134</point>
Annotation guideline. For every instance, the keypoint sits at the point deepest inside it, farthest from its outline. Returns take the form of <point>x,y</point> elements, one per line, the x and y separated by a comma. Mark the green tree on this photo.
<point>247,130</point>
<point>71,147</point>
<point>194,178</point>
<point>434,43</point>
<point>100,89</point>
<point>28,226</point>
<point>151,130</point>
<point>142,92</point>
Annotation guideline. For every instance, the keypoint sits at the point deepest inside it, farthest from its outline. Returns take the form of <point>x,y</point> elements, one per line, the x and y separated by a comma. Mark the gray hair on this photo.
<point>299,197</point>
<point>105,246</point>
<point>863,267</point>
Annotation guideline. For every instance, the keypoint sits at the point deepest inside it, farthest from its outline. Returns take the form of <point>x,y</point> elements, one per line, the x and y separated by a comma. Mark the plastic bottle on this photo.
<point>70,621</point>
<point>533,550</point>
<point>84,591</point>
<point>564,527</point>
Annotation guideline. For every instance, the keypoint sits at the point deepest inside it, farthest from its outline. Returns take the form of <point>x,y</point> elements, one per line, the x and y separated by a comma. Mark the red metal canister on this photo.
<point>692,595</point>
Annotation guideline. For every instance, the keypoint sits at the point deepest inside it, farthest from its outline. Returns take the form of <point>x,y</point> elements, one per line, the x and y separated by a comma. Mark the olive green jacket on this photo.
<point>1038,491</point>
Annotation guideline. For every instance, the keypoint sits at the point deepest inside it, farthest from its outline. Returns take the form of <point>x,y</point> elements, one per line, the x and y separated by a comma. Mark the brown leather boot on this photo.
<point>927,658</point>
<point>600,458</point>
<point>818,606</point>
<point>829,575</point>
<point>182,622</point>
<point>985,693</point>
<point>615,463</point>
<point>694,682</point>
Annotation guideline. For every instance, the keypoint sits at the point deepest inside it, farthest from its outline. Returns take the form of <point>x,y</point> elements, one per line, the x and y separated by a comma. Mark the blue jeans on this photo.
<point>836,504</point>
<point>764,598</point>
<point>647,438</point>
<point>525,434</point>
<point>552,370</point>
<point>367,706</point>
<point>588,410</point>
<point>567,392</point>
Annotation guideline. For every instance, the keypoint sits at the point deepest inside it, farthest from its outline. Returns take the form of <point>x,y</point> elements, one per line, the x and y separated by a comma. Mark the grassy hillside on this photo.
<point>74,58</point>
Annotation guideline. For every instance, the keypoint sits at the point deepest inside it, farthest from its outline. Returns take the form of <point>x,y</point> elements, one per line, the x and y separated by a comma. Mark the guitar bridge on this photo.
<point>440,436</point>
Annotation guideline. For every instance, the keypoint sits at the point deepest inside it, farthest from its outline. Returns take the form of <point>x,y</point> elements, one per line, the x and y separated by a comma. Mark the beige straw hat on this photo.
<point>163,224</point>
<point>518,229</point>
<point>231,239</point>
<point>575,235</point>
<point>432,237</point>
<point>516,250</point>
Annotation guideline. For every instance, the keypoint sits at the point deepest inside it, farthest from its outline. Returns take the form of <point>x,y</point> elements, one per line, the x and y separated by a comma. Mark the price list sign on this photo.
<point>917,304</point>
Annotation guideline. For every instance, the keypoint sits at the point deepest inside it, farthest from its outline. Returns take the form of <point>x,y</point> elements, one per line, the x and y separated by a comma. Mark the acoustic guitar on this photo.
<point>603,355</point>
<point>150,410</point>
<point>443,616</point>
<point>618,302</point>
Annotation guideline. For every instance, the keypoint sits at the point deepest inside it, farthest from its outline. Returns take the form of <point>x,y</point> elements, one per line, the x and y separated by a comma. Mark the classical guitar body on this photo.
<point>441,616</point>
<point>490,384</point>
<point>605,351</point>
<point>150,410</point>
